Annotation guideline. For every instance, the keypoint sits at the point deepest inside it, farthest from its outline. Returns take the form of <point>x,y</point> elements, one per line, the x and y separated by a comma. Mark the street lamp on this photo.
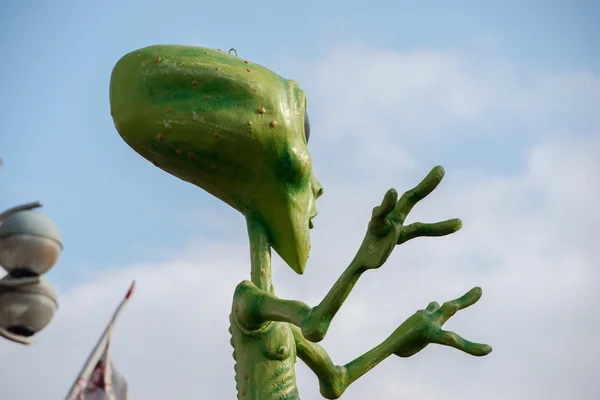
<point>30,244</point>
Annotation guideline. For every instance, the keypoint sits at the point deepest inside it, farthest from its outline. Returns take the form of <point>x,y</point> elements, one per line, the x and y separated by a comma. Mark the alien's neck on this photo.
<point>260,254</point>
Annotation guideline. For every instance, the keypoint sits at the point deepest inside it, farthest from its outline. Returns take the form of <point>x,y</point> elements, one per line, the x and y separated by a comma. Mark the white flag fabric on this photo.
<point>99,380</point>
<point>105,383</point>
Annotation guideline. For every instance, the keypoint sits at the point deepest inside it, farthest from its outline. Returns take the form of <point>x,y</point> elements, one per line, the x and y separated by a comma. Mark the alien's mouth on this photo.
<point>310,223</point>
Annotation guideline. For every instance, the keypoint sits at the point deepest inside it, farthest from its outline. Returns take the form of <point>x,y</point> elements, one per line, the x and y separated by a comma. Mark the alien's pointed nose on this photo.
<point>317,188</point>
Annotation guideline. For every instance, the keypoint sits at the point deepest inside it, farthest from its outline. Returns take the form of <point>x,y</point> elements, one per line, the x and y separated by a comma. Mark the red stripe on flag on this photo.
<point>130,292</point>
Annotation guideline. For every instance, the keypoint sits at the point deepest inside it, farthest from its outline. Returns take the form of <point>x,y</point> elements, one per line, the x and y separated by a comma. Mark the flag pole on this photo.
<point>84,376</point>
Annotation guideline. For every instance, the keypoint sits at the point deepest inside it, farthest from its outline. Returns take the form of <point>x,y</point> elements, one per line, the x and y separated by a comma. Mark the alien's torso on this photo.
<point>265,359</point>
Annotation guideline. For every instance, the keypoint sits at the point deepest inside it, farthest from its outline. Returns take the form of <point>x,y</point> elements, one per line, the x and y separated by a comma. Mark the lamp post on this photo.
<point>30,244</point>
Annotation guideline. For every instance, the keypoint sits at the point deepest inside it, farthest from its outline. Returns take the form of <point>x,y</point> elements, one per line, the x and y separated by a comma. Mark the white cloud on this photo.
<point>425,92</point>
<point>528,240</point>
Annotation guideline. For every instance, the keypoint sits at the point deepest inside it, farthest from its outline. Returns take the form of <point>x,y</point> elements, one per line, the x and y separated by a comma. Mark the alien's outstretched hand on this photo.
<point>386,228</point>
<point>425,327</point>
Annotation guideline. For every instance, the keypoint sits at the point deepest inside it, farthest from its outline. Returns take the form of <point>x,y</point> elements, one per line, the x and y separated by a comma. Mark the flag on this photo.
<point>98,379</point>
<point>105,383</point>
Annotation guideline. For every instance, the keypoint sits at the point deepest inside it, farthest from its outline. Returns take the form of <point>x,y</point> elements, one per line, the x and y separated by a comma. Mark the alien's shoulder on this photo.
<point>245,295</point>
<point>245,301</point>
<point>245,287</point>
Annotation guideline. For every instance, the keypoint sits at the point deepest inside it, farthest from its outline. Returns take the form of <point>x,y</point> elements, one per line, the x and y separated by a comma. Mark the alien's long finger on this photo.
<point>448,338</point>
<point>379,221</point>
<point>387,204</point>
<point>431,307</point>
<point>419,192</point>
<point>449,308</point>
<point>419,229</point>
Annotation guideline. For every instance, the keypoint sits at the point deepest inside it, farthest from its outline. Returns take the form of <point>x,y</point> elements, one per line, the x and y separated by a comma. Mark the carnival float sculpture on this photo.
<point>240,132</point>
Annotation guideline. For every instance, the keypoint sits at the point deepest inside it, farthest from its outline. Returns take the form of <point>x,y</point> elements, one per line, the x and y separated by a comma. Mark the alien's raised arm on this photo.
<point>254,306</point>
<point>413,335</point>
<point>386,230</point>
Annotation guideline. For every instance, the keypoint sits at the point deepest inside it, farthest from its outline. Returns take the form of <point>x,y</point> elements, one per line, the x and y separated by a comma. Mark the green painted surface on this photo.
<point>237,130</point>
<point>196,113</point>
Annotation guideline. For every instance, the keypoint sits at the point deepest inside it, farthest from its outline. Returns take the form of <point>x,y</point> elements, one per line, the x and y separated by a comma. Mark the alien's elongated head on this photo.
<point>233,128</point>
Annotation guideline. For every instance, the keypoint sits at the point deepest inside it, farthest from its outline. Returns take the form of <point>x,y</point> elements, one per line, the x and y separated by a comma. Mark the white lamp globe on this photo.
<point>30,243</point>
<point>26,309</point>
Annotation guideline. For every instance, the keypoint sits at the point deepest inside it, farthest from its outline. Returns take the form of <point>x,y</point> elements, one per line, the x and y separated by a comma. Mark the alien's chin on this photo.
<point>310,224</point>
<point>294,249</point>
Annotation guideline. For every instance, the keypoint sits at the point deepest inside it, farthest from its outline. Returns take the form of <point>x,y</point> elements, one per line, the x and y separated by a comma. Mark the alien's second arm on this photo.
<point>413,335</point>
<point>260,306</point>
<point>335,379</point>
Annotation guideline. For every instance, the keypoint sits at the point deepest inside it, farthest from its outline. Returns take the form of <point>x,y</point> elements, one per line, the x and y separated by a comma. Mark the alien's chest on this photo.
<point>265,361</point>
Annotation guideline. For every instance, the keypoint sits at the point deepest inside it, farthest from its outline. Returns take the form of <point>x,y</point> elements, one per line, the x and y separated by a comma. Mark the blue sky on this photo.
<point>112,207</point>
<point>504,94</point>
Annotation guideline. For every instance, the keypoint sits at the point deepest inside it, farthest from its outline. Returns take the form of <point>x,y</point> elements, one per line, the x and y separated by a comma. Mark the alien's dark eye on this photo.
<point>306,125</point>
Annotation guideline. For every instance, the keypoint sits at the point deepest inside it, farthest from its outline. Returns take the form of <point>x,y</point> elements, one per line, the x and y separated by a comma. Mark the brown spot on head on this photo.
<point>215,134</point>
<point>178,151</point>
<point>273,124</point>
<point>247,62</point>
<point>206,52</point>
<point>207,97</point>
<point>249,122</point>
<point>157,59</point>
<point>213,167</point>
<point>194,83</point>
<point>262,110</point>
<point>218,69</point>
<point>159,137</point>
<point>191,155</point>
<point>137,55</point>
<point>169,109</point>
<point>245,377</point>
<point>248,69</point>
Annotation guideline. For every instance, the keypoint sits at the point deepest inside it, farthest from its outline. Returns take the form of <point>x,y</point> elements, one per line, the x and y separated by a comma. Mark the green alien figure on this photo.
<point>240,132</point>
